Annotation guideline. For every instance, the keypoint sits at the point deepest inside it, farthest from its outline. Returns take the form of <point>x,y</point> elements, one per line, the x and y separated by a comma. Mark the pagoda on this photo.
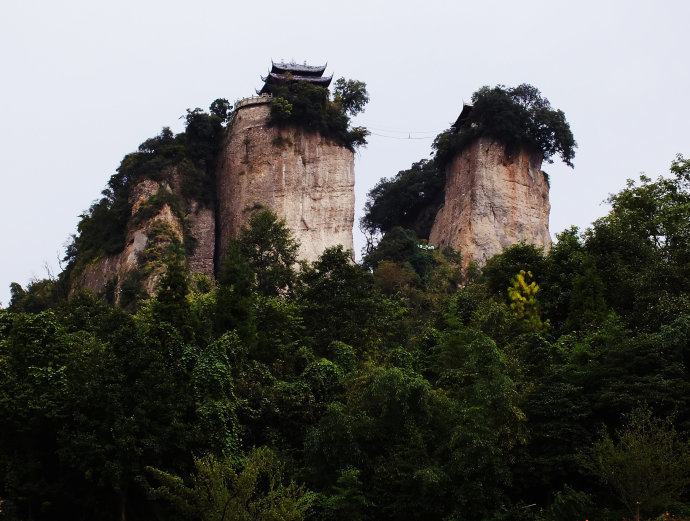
<point>283,73</point>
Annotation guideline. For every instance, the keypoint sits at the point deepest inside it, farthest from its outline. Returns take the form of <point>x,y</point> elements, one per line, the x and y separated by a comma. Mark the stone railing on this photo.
<point>253,100</point>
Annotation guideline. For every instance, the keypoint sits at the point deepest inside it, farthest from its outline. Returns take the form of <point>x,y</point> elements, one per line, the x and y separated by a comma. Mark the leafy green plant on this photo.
<point>522,294</point>
<point>192,154</point>
<point>309,106</point>
<point>223,490</point>
<point>647,465</point>
<point>411,199</point>
<point>517,117</point>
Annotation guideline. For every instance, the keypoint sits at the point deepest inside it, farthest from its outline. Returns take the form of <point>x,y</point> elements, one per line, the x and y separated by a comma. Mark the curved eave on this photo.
<point>279,79</point>
<point>296,69</point>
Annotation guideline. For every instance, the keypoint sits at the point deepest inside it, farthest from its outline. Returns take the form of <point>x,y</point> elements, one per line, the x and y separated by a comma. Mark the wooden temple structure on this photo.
<point>282,73</point>
<point>463,117</point>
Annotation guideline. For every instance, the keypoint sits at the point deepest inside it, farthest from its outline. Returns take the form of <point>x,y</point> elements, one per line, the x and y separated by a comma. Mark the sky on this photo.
<point>82,83</point>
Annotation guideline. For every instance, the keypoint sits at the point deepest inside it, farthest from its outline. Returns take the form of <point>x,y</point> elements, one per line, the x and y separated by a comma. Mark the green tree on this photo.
<point>522,294</point>
<point>400,245</point>
<point>587,300</point>
<point>499,271</point>
<point>517,117</point>
<point>479,407</point>
<point>308,106</point>
<point>235,298</point>
<point>647,465</point>
<point>377,438</point>
<point>222,109</point>
<point>411,200</point>
<point>563,263</point>
<point>340,302</point>
<point>223,490</point>
<point>271,252</point>
<point>642,248</point>
<point>350,95</point>
<point>36,375</point>
<point>170,304</point>
<point>348,501</point>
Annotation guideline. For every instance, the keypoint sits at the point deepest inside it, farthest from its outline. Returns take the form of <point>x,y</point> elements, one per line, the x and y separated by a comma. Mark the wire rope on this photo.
<point>402,137</point>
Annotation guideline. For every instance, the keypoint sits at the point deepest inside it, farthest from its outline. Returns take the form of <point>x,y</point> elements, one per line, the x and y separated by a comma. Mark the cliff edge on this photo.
<point>493,199</point>
<point>159,218</point>
<point>303,177</point>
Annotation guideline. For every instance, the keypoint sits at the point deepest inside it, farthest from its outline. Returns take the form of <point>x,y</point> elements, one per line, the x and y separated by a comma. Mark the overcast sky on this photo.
<point>82,83</point>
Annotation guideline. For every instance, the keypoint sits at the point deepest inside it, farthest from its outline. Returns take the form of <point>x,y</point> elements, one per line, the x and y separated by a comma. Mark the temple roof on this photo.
<point>297,69</point>
<point>464,115</point>
<point>282,73</point>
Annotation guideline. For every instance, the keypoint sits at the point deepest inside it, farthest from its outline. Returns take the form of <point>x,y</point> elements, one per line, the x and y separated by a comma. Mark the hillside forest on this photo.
<point>544,386</point>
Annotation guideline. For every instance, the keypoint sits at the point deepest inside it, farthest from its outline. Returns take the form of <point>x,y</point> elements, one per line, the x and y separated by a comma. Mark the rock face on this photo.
<point>493,200</point>
<point>301,176</point>
<point>140,265</point>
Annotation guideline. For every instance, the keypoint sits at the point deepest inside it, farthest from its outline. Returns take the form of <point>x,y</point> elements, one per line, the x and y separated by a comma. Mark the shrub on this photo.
<point>309,106</point>
<point>517,117</point>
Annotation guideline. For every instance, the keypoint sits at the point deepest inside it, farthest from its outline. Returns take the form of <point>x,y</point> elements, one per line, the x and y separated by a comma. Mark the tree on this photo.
<point>350,95</point>
<point>410,199</point>
<point>222,109</point>
<point>517,117</point>
<point>500,269</point>
<point>306,105</point>
<point>587,302</point>
<point>563,263</point>
<point>523,301</point>
<point>36,375</point>
<point>271,252</point>
<point>647,465</point>
<point>400,245</point>
<point>223,490</point>
<point>341,303</point>
<point>348,501</point>
<point>170,304</point>
<point>642,248</point>
<point>235,297</point>
<point>477,403</point>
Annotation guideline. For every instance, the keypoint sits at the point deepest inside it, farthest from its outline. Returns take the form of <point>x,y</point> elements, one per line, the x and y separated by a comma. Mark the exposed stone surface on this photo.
<point>201,221</point>
<point>301,176</point>
<point>493,200</point>
<point>146,242</point>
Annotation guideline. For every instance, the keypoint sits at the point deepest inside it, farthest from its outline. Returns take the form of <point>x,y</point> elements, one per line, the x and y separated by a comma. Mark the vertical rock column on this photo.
<point>493,200</point>
<point>301,176</point>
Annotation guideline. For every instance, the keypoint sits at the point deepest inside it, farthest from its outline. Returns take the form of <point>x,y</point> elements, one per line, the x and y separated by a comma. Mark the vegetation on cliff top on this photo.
<point>516,117</point>
<point>190,154</point>
<point>309,106</point>
<point>544,387</point>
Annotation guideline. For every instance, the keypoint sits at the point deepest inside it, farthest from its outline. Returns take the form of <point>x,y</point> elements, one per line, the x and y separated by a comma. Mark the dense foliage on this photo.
<point>411,199</point>
<point>309,106</point>
<point>516,117</point>
<point>191,154</point>
<point>542,387</point>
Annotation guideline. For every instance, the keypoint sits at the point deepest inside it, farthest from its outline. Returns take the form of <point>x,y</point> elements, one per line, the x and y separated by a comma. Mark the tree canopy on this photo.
<point>517,117</point>
<point>542,386</point>
<point>310,106</point>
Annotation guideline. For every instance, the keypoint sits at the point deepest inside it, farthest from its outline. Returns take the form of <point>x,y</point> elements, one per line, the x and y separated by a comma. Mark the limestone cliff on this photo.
<point>301,176</point>
<point>153,227</point>
<point>492,200</point>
